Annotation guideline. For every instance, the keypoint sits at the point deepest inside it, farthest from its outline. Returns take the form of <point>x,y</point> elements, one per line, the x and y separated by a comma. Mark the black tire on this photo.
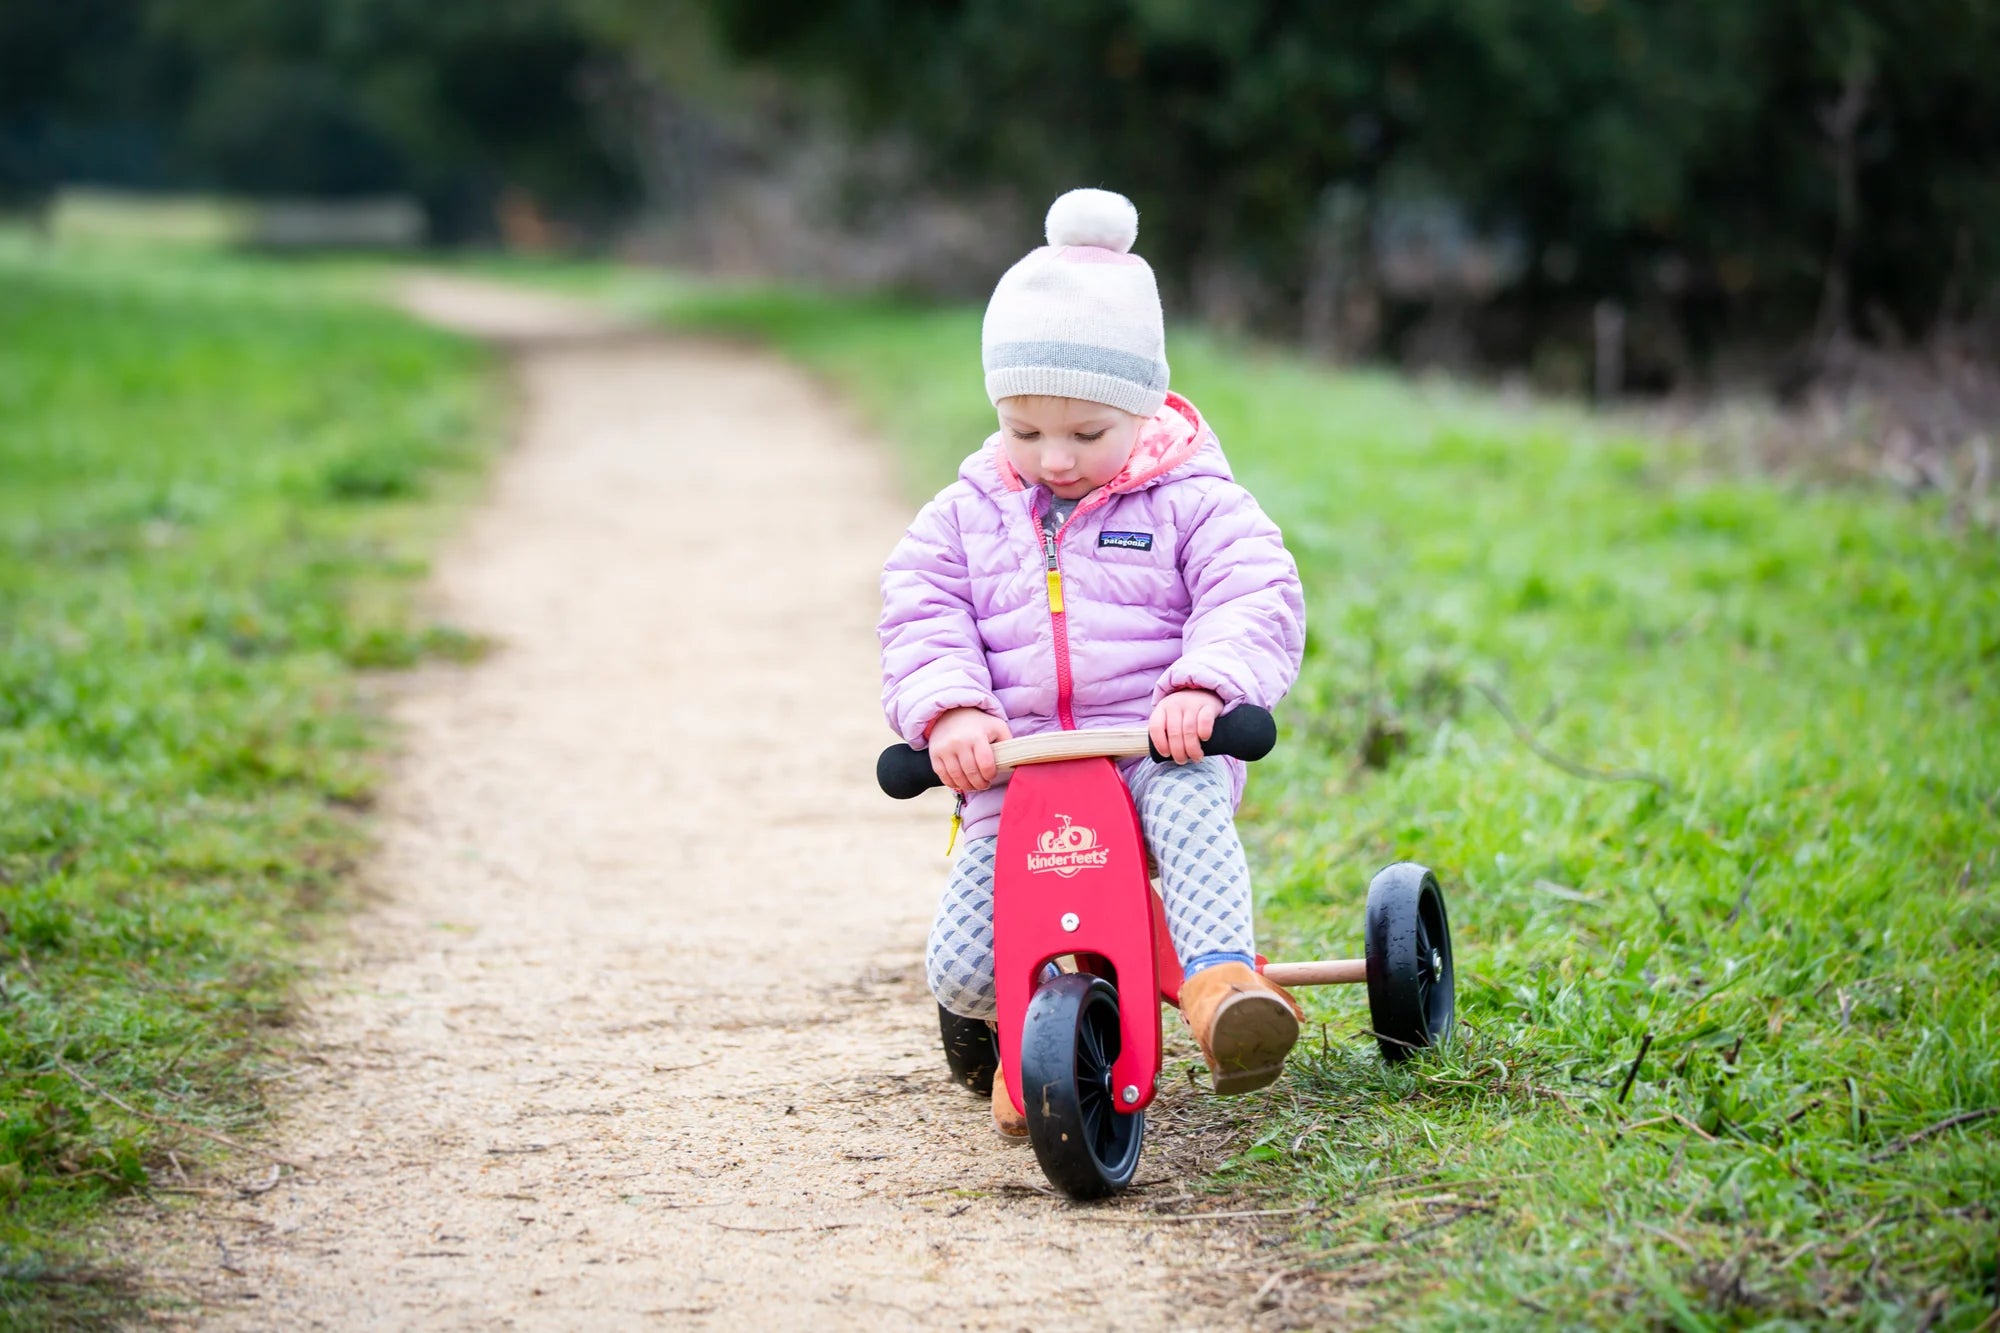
<point>970,1050</point>
<point>1086,1146</point>
<point>1410,990</point>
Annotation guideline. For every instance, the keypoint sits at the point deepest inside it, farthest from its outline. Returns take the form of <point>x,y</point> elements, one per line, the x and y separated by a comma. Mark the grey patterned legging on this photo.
<point>1190,830</point>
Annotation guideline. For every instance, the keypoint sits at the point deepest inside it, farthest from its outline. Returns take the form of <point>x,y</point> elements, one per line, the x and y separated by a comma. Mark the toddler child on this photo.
<point>1095,565</point>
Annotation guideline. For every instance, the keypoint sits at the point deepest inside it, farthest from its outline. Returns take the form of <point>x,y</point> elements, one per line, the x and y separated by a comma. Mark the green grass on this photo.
<point>1803,916</point>
<point>217,482</point>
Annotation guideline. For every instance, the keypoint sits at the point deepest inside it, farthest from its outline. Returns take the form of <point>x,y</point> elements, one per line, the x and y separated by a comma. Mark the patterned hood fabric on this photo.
<point>1172,577</point>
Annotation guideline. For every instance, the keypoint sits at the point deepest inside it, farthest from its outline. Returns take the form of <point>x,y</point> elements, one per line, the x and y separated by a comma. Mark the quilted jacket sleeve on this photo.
<point>1247,630</point>
<point>932,658</point>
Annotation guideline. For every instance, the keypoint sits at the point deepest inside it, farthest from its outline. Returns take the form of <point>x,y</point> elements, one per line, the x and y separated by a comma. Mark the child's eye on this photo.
<point>1093,437</point>
<point>1027,435</point>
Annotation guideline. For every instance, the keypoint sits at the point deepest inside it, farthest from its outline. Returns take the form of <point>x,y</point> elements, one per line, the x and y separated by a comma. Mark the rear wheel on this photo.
<point>1087,1147</point>
<point>970,1050</point>
<point>1410,990</point>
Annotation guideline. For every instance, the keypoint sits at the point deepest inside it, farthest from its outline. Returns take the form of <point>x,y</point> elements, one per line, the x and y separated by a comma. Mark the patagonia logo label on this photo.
<point>1129,541</point>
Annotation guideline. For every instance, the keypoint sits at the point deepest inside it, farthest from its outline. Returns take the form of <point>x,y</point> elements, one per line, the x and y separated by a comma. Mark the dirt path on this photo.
<point>635,1032</point>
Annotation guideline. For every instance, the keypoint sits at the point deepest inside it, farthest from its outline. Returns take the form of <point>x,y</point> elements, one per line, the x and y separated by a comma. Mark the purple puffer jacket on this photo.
<point>1170,576</point>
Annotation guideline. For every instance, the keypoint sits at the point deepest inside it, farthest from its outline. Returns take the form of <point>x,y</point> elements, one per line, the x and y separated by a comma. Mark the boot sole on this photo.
<point>1253,1034</point>
<point>1010,1130</point>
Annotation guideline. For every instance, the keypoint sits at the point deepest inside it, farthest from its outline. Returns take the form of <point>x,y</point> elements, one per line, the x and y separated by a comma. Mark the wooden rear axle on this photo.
<point>1324,972</point>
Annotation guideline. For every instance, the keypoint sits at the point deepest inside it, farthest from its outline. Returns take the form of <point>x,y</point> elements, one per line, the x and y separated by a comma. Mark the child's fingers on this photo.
<point>970,766</point>
<point>983,760</point>
<point>1190,735</point>
<point>951,768</point>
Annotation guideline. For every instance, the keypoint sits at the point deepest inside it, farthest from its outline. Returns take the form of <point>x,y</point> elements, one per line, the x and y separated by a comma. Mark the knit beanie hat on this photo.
<point>1080,317</point>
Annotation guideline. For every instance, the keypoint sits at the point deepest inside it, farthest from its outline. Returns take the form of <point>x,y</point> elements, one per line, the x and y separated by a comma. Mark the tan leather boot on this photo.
<point>1007,1122</point>
<point>1245,1024</point>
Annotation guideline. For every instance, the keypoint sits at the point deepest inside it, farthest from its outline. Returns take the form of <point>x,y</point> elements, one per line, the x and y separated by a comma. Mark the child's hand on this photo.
<point>1182,721</point>
<point>961,748</point>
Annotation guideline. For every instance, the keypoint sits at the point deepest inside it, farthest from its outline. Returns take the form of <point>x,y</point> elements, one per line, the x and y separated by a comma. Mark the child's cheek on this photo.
<point>1120,457</point>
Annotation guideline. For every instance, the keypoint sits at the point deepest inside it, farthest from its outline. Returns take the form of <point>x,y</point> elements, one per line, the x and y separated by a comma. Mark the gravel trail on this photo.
<point>633,1032</point>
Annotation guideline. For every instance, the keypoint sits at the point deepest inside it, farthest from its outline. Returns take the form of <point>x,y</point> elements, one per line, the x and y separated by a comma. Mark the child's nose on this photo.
<point>1058,460</point>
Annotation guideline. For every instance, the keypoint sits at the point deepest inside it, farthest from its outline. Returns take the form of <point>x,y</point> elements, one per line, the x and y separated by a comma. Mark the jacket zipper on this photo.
<point>1058,618</point>
<point>1058,625</point>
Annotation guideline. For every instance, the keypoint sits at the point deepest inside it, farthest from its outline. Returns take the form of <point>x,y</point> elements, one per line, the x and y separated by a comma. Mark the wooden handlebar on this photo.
<point>1050,746</point>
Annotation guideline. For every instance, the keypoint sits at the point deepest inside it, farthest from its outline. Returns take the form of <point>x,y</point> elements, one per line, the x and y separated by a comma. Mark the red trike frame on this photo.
<point>1070,877</point>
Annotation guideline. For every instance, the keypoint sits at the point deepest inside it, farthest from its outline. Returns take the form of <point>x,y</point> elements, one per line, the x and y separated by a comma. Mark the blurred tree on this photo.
<point>452,102</point>
<point>1753,167</point>
<point>1708,168</point>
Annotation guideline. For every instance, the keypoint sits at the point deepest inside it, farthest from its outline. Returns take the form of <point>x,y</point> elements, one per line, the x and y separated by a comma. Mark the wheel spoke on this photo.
<point>1093,1111</point>
<point>1093,1046</point>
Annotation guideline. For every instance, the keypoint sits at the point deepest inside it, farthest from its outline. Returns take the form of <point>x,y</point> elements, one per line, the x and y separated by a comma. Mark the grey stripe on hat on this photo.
<point>1079,356</point>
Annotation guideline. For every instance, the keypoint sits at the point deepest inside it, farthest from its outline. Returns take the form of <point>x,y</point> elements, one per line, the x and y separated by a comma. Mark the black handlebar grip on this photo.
<point>1244,732</point>
<point>904,772</point>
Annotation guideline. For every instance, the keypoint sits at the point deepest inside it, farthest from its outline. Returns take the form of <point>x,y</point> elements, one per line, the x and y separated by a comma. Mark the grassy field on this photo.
<point>1728,1027</point>
<point>1793,914</point>
<point>217,479</point>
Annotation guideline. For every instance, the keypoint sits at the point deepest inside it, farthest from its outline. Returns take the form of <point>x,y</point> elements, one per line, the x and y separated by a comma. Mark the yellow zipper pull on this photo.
<point>957,822</point>
<point>1054,569</point>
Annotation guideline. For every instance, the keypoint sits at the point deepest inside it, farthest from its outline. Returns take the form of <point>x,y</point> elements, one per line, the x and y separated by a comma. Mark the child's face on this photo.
<point>1066,444</point>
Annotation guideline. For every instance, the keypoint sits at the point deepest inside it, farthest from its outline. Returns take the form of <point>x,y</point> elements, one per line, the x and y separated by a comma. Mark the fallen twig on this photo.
<point>169,1122</point>
<point>1743,897</point>
<point>264,1186</point>
<point>1674,1116</point>
<point>1456,1214</point>
<point>1563,762</point>
<point>1963,1118</point>
<point>1645,1045</point>
<point>1379,1036</point>
<point>766,1231</point>
<point>1566,893</point>
<point>1257,1300</point>
<point>1680,1242</point>
<point>1691,1125</point>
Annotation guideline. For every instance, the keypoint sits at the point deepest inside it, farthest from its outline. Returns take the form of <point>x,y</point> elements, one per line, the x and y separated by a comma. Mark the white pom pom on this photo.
<point>1093,217</point>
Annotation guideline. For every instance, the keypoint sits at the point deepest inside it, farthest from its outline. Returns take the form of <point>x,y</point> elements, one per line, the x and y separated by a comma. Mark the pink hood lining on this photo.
<point>1172,436</point>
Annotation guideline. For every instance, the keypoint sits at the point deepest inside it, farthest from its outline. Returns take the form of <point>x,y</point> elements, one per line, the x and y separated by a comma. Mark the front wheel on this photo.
<point>1410,976</point>
<point>1086,1146</point>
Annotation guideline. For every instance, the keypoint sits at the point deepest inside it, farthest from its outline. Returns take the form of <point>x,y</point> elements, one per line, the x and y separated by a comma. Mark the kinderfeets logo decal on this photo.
<point>1066,850</point>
